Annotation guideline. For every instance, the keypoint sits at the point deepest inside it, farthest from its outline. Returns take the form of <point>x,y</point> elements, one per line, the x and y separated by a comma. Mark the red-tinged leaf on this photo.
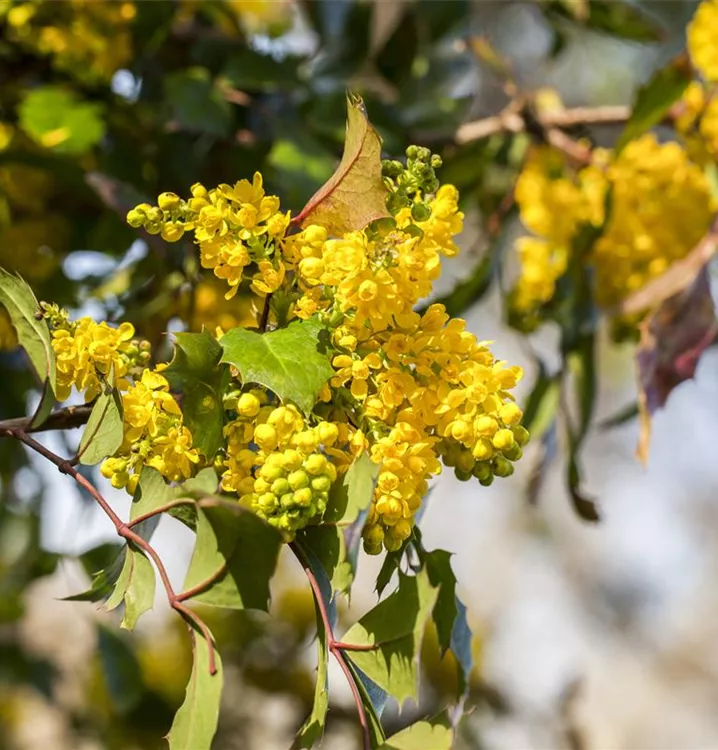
<point>354,195</point>
<point>672,341</point>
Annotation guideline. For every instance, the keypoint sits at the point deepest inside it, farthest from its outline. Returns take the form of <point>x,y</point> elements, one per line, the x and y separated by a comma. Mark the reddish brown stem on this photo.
<point>335,647</point>
<point>157,511</point>
<point>202,585</point>
<point>123,530</point>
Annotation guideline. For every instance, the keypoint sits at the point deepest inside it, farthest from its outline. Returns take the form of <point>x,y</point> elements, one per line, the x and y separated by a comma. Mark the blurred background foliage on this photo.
<point>105,104</point>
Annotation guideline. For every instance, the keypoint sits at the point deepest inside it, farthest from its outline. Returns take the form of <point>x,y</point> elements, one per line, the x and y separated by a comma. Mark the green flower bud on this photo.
<point>411,152</point>
<point>436,161</point>
<point>298,479</point>
<point>521,434</point>
<point>420,211</point>
<point>461,475</point>
<point>280,486</point>
<point>502,467</point>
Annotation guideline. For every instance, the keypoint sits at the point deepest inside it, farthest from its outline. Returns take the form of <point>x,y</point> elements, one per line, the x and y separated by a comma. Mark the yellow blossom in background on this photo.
<point>90,40</point>
<point>211,311</point>
<point>702,36</point>
<point>660,207</point>
<point>8,337</point>
<point>262,15</point>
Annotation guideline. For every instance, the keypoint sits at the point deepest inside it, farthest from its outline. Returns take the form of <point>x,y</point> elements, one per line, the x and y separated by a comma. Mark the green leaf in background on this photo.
<point>195,370</point>
<point>104,431</point>
<point>197,104</point>
<point>59,120</point>
<point>195,723</point>
<point>33,334</point>
<point>619,19</point>
<point>312,730</point>
<point>236,553</point>
<point>388,568</point>
<point>542,404</point>
<point>121,670</point>
<point>655,98</point>
<point>288,361</point>
<point>396,625</point>
<point>435,733</point>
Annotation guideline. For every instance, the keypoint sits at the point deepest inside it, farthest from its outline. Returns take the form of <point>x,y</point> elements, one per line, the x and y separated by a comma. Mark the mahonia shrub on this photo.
<point>413,390</point>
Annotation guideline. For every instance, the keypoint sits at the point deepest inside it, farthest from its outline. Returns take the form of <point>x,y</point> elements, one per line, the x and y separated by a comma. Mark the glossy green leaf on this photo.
<point>135,588</point>
<point>195,722</point>
<point>435,733</point>
<point>58,119</point>
<point>289,361</point>
<point>104,430</point>
<point>396,626</point>
<point>653,100</point>
<point>388,568</point>
<point>235,555</point>
<point>195,371</point>
<point>33,334</point>
<point>353,493</point>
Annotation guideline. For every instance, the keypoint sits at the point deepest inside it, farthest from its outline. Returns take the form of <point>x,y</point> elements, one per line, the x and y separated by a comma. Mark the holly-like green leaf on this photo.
<point>197,104</point>
<point>59,120</point>
<point>388,568</point>
<point>396,626</point>
<point>195,371</point>
<point>435,733</point>
<point>104,432</point>
<point>195,723</point>
<point>235,555</point>
<point>542,404</point>
<point>354,195</point>
<point>289,361</point>
<point>655,98</point>
<point>135,587</point>
<point>312,730</point>
<point>353,493</point>
<point>623,20</point>
<point>33,334</point>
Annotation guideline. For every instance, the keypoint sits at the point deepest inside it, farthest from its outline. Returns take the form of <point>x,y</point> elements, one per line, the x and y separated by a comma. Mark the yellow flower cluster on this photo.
<point>425,389</point>
<point>91,40</point>
<point>89,353</point>
<point>409,389</point>
<point>234,226</point>
<point>277,464</point>
<point>660,207</point>
<point>703,39</point>
<point>154,435</point>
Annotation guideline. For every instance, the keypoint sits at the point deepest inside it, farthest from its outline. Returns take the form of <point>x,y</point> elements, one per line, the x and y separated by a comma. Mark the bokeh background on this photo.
<point>587,636</point>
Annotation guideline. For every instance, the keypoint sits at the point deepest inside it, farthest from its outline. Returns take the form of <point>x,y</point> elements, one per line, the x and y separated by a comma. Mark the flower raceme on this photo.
<point>660,207</point>
<point>414,391</point>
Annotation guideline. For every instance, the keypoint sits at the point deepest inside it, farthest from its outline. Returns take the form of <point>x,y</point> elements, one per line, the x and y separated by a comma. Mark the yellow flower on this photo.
<point>703,39</point>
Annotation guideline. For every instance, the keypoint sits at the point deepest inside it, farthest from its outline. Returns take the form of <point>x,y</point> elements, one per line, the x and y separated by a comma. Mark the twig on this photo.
<point>62,419</point>
<point>677,277</point>
<point>337,648</point>
<point>265,313</point>
<point>513,120</point>
<point>157,511</point>
<point>122,529</point>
